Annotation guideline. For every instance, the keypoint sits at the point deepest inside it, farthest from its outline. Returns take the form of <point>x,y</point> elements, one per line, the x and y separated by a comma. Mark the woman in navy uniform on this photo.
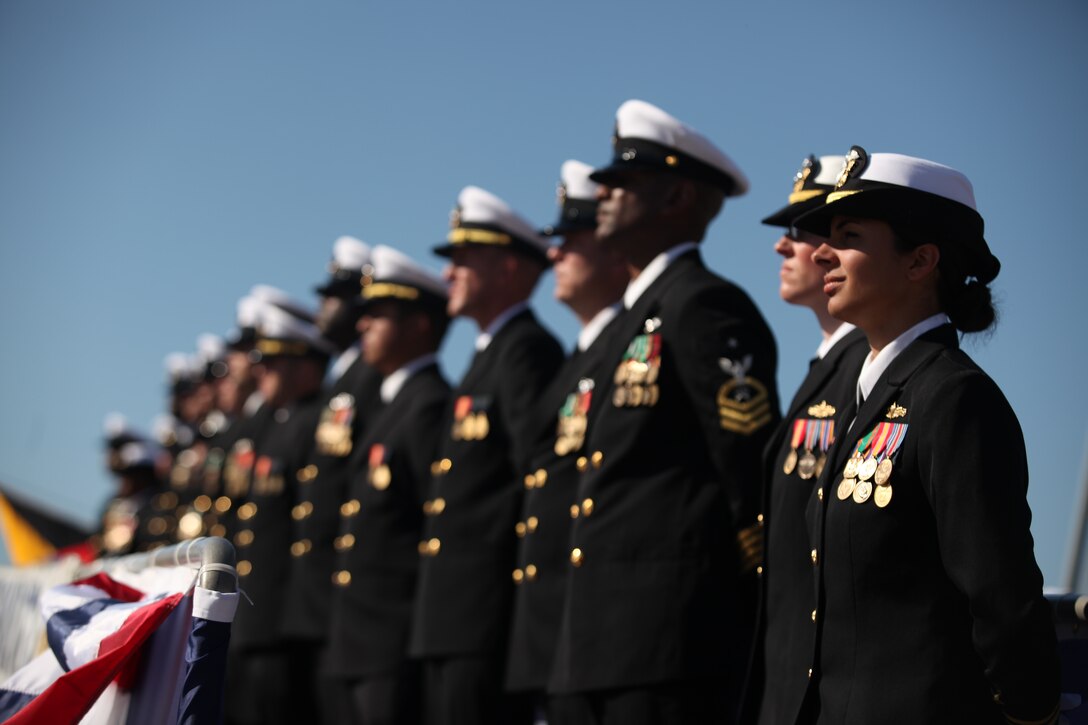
<point>796,454</point>
<point>929,605</point>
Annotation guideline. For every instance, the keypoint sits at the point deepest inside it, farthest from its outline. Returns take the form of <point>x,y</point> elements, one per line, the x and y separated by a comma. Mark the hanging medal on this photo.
<point>379,474</point>
<point>867,468</point>
<point>795,441</point>
<point>883,494</point>
<point>238,468</point>
<point>470,421</point>
<point>827,437</point>
<point>850,471</point>
<point>806,468</point>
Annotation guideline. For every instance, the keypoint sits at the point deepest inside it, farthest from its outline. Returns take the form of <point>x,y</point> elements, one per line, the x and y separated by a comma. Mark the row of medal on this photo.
<point>636,375</point>
<point>872,464</point>
<point>334,431</point>
<point>573,420</point>
<point>470,421</point>
<point>817,435</point>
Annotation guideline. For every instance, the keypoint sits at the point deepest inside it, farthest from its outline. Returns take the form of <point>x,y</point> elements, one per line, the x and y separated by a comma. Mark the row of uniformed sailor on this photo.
<point>628,478</point>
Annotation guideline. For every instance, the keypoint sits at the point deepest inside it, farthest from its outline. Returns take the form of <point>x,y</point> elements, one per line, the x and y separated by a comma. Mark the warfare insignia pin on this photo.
<point>895,411</point>
<point>822,410</point>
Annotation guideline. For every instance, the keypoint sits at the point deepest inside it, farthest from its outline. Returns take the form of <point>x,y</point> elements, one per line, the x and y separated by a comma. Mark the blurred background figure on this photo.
<point>589,280</point>
<point>266,683</point>
<point>140,515</point>
<point>403,324</point>
<point>350,402</point>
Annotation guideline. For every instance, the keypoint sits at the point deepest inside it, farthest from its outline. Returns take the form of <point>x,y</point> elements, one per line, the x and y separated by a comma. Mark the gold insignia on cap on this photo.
<point>671,160</point>
<point>856,161</point>
<point>823,409</point>
<point>803,173</point>
<point>455,217</point>
<point>895,411</point>
<point>561,192</point>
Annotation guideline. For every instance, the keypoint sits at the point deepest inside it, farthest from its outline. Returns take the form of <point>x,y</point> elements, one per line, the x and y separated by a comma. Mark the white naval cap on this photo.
<point>647,137</point>
<point>247,311</point>
<point>811,183</point>
<point>912,193</point>
<point>210,347</point>
<point>577,198</point>
<point>182,371</point>
<point>137,454</point>
<point>396,276</point>
<point>278,298</point>
<point>241,337</point>
<point>349,263</point>
<point>211,350</point>
<point>115,425</point>
<point>281,334</point>
<point>483,219</point>
<point>170,432</point>
<point>118,433</point>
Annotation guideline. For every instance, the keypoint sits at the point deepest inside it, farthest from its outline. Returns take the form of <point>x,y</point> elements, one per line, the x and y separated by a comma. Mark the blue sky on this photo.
<point>158,159</point>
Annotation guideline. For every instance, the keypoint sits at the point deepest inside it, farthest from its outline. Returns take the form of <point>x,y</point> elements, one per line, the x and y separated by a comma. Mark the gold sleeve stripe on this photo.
<point>745,427</point>
<point>463,235</point>
<point>746,413</point>
<point>751,547</point>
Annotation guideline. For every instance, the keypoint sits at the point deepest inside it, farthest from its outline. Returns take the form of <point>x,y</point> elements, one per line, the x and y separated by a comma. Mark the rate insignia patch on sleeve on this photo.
<point>743,405</point>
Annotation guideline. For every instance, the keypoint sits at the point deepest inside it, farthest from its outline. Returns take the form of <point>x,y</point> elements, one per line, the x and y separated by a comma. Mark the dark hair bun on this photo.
<point>969,305</point>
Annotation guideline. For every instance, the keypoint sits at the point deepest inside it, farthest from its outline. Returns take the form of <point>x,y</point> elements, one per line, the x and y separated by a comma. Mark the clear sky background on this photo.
<point>157,159</point>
